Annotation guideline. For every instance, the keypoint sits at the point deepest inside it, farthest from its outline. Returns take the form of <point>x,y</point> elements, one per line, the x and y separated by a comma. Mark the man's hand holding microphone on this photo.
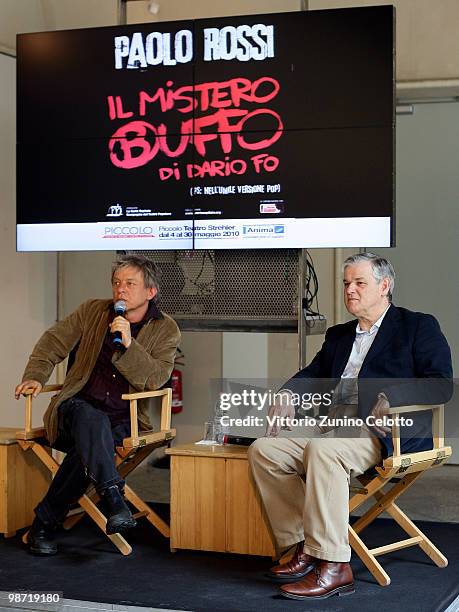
<point>120,326</point>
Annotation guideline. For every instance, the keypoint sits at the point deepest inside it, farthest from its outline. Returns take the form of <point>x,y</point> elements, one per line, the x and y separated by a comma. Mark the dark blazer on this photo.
<point>409,360</point>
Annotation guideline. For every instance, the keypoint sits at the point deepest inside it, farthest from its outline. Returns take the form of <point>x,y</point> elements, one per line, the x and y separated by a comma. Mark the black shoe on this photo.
<point>40,539</point>
<point>119,515</point>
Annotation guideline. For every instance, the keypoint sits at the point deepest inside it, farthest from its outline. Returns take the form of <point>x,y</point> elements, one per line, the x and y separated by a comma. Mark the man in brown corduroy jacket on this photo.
<point>88,418</point>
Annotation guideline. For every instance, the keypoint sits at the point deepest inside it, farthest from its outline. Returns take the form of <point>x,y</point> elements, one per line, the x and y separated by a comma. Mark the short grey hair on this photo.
<point>381,267</point>
<point>151,272</point>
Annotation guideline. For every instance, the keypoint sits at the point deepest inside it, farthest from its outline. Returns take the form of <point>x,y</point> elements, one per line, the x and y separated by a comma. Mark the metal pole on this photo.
<point>60,310</point>
<point>304,6</point>
<point>338,287</point>
<point>301,319</point>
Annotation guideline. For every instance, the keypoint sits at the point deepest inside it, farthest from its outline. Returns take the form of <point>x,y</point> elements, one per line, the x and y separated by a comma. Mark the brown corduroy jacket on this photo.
<point>146,364</point>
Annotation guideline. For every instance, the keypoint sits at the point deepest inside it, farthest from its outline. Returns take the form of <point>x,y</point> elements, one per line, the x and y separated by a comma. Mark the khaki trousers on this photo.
<point>304,485</point>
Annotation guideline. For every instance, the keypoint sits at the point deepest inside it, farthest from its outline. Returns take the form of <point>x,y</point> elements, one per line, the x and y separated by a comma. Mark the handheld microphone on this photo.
<point>120,308</point>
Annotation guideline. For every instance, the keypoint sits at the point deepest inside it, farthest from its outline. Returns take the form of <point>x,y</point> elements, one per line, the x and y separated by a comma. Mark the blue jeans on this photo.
<point>87,436</point>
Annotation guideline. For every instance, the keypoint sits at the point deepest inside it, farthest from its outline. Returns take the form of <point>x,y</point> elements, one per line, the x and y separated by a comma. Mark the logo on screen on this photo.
<point>129,231</point>
<point>273,209</point>
<point>260,230</point>
<point>116,210</point>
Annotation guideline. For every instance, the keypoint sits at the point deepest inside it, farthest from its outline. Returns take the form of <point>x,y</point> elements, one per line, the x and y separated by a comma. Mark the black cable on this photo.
<point>311,291</point>
<point>202,288</point>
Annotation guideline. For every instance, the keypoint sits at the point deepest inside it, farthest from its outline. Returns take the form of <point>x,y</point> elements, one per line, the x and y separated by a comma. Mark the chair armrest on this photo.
<point>28,432</point>
<point>413,408</point>
<point>142,394</point>
<point>51,388</point>
<point>45,389</point>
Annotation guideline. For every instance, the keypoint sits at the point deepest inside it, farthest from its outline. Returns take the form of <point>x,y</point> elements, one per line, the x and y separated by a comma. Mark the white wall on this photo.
<point>426,37</point>
<point>85,275</point>
<point>28,287</point>
<point>203,364</point>
<point>20,16</point>
<point>171,10</point>
<point>245,355</point>
<point>426,255</point>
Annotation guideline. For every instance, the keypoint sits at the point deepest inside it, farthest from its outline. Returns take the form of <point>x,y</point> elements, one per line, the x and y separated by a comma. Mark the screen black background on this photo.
<point>336,102</point>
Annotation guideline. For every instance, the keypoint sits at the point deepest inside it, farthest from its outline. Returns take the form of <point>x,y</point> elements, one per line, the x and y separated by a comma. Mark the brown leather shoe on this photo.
<point>298,566</point>
<point>325,580</point>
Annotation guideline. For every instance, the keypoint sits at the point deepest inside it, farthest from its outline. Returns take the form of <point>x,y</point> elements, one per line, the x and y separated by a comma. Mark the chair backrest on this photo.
<point>165,432</point>
<point>399,464</point>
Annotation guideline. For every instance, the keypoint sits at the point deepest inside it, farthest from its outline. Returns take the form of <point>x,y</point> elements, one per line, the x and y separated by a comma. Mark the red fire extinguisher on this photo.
<point>176,384</point>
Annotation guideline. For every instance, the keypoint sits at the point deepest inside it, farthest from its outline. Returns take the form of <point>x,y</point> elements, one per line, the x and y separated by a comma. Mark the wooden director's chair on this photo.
<point>401,471</point>
<point>128,456</point>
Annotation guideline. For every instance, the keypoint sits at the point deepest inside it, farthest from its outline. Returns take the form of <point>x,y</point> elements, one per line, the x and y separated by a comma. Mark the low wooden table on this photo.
<point>214,503</point>
<point>23,483</point>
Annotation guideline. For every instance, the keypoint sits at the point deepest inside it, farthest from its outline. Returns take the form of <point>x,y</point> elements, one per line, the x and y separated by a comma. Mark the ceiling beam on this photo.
<point>4,50</point>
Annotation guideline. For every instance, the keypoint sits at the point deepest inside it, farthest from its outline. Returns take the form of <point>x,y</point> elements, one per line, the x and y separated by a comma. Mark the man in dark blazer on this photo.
<point>389,357</point>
